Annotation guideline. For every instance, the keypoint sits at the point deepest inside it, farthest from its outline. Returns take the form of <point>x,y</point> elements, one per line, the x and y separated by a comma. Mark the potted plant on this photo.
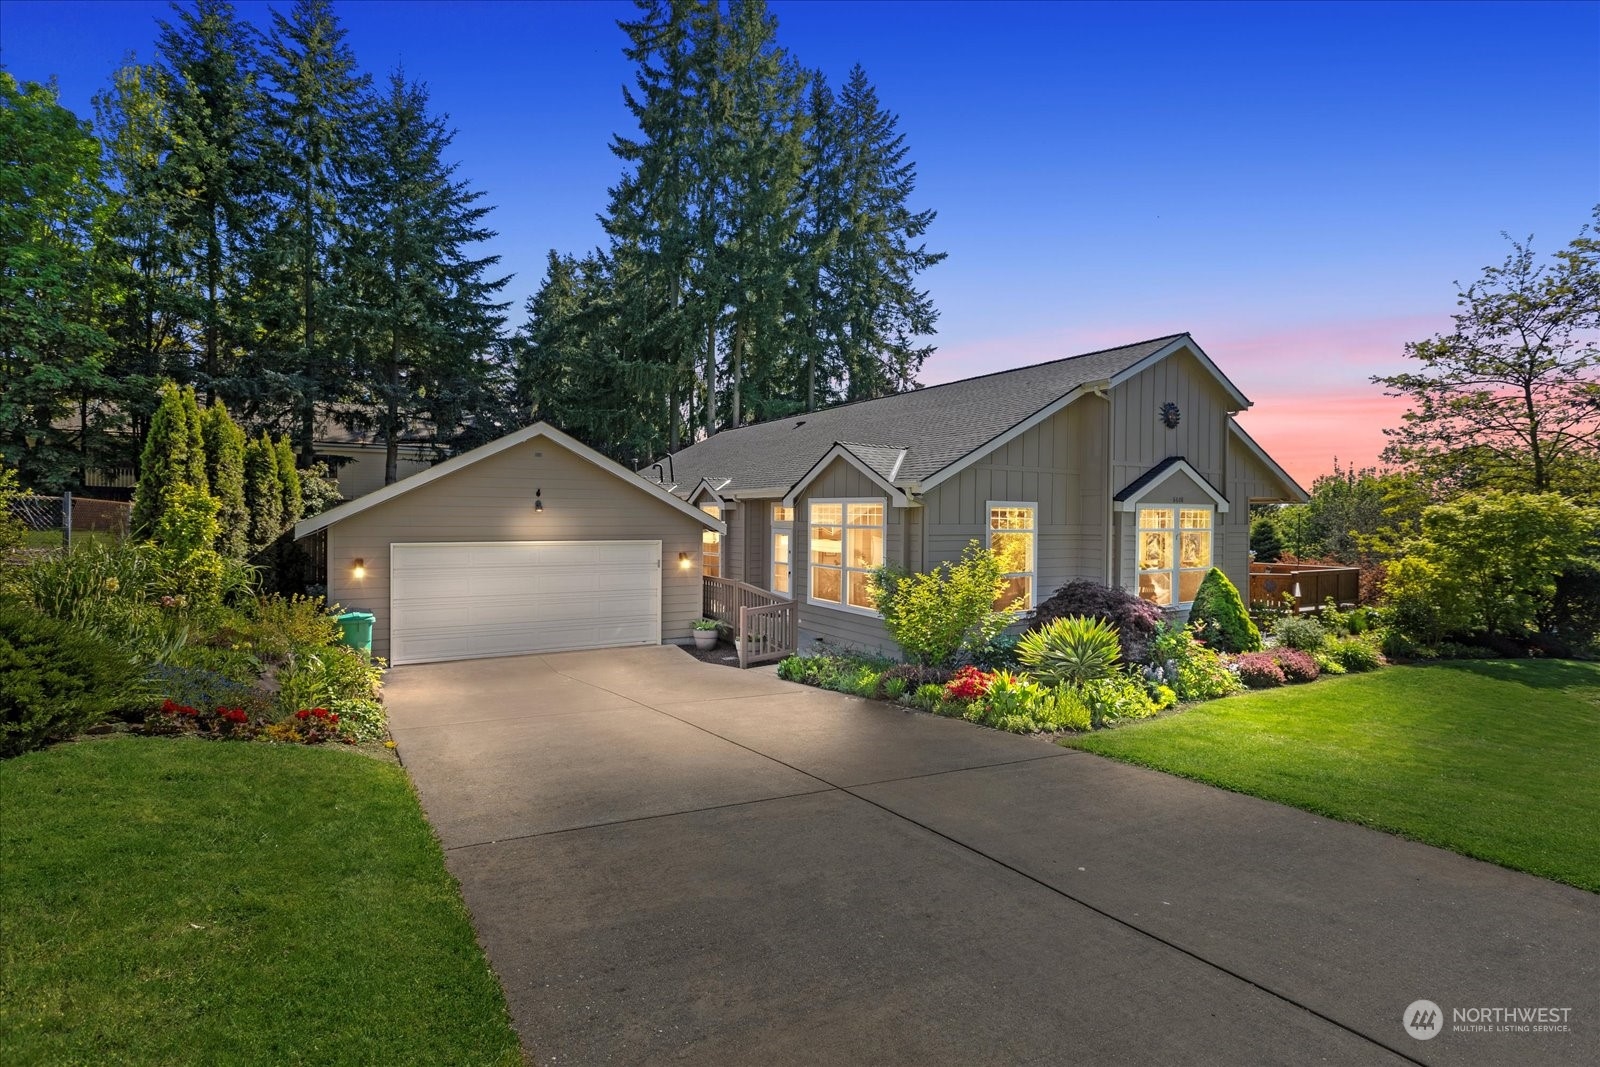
<point>705,633</point>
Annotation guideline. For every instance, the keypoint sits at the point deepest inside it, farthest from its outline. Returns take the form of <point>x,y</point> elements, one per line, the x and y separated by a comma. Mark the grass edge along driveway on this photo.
<point>172,900</point>
<point>1495,759</point>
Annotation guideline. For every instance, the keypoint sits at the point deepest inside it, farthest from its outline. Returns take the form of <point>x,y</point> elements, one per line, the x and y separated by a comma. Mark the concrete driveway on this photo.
<point>674,861</point>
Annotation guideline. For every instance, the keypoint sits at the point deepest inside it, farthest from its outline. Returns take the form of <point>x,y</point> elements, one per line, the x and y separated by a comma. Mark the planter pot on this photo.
<point>705,639</point>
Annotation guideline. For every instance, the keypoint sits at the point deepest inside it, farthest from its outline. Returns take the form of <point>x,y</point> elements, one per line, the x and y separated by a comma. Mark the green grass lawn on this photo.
<point>1495,759</point>
<point>172,900</point>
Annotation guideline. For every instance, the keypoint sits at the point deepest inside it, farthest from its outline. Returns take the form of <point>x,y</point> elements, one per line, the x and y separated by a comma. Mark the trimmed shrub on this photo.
<point>1185,664</point>
<point>1259,670</point>
<point>224,450</point>
<point>1355,654</point>
<point>1071,651</point>
<point>1134,619</point>
<point>263,492</point>
<point>933,616</point>
<point>997,654</point>
<point>1299,632</point>
<point>1218,614</point>
<point>294,504</point>
<point>1297,666</point>
<point>57,681</point>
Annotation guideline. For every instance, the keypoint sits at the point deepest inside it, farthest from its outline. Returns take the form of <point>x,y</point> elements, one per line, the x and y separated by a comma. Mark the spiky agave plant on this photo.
<point>1071,651</point>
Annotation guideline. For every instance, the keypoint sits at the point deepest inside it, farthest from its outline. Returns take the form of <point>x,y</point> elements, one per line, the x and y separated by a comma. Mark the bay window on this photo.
<point>1174,552</point>
<point>846,545</point>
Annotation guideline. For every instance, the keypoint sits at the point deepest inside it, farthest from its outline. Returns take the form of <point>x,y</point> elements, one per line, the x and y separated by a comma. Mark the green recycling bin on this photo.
<point>355,628</point>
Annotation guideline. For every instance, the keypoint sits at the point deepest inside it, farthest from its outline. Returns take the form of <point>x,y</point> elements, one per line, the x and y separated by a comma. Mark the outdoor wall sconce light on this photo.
<point>360,569</point>
<point>683,561</point>
<point>538,500</point>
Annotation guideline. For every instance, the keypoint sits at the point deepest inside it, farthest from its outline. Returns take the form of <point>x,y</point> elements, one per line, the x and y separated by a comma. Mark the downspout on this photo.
<point>1111,515</point>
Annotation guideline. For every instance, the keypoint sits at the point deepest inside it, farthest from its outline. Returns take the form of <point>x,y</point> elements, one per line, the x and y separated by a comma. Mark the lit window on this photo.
<point>1174,552</point>
<point>1013,532</point>
<point>782,549</point>
<point>846,544</point>
<point>711,545</point>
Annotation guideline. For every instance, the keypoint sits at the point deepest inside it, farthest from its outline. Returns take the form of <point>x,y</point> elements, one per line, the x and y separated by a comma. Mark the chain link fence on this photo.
<point>54,521</point>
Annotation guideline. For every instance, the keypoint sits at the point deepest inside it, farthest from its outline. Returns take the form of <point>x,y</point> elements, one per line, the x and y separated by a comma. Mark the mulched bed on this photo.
<point>721,653</point>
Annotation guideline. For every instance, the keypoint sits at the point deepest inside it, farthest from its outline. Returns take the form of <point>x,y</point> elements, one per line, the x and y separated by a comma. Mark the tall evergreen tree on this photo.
<point>143,315</point>
<point>316,107</point>
<point>213,180</point>
<point>194,472</point>
<point>263,493</point>
<point>224,451</point>
<point>881,313</point>
<point>421,319</point>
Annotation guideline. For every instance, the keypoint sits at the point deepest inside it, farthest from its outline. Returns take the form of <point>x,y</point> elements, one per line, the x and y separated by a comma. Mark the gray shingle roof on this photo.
<point>936,425</point>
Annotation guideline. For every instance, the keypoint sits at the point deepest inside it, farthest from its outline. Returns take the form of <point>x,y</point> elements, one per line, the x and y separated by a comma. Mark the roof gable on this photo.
<point>1136,490</point>
<point>306,527</point>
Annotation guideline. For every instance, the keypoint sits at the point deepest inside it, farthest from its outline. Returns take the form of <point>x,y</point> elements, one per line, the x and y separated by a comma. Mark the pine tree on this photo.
<point>212,179</point>
<point>1265,542</point>
<point>142,314</point>
<point>289,478</point>
<point>263,492</point>
<point>164,463</point>
<point>224,450</point>
<point>874,266</point>
<point>316,107</point>
<point>421,320</point>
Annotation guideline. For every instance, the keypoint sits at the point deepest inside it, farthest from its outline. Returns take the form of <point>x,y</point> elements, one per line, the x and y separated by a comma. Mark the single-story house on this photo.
<point>1124,466</point>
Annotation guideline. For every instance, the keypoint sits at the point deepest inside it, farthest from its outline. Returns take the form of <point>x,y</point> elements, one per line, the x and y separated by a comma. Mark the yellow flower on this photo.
<point>112,585</point>
<point>388,744</point>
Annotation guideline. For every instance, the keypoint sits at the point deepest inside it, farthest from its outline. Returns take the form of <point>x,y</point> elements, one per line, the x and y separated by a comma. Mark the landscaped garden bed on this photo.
<point>168,900</point>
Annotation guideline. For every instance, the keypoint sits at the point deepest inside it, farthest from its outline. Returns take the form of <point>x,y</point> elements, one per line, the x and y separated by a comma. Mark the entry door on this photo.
<point>468,600</point>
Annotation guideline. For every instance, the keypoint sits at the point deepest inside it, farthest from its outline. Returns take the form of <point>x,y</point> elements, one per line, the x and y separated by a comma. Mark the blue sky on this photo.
<point>1296,184</point>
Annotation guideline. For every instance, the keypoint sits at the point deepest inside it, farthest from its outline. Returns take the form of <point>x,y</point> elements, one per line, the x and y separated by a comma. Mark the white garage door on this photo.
<point>467,600</point>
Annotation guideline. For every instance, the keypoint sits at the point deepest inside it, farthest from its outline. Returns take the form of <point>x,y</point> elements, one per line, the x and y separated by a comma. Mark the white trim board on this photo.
<point>306,527</point>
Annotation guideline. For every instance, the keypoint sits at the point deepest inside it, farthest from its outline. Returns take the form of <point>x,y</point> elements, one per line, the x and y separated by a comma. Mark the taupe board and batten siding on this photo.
<point>1248,479</point>
<point>855,629</point>
<point>493,500</point>
<point>1139,438</point>
<point>1060,465</point>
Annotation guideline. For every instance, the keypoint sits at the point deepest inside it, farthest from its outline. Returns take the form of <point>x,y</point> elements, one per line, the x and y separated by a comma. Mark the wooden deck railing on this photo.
<point>1308,584</point>
<point>766,626</point>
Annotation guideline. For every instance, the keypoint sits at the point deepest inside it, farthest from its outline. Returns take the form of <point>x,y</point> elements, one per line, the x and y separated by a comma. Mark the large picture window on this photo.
<point>1013,538</point>
<point>1174,552</point>
<point>846,545</point>
<point>711,545</point>
<point>782,550</point>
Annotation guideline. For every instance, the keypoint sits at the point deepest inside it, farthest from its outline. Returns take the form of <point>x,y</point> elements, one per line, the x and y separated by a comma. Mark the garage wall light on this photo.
<point>683,561</point>
<point>538,500</point>
<point>360,569</point>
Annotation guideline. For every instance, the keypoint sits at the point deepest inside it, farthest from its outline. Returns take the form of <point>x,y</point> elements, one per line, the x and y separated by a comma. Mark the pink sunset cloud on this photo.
<point>1309,383</point>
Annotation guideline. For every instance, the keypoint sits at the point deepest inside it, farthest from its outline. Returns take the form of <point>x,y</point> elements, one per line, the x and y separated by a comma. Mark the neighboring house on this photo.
<point>1124,466</point>
<point>358,460</point>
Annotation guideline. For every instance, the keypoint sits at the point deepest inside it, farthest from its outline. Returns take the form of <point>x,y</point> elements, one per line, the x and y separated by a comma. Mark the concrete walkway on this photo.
<point>673,861</point>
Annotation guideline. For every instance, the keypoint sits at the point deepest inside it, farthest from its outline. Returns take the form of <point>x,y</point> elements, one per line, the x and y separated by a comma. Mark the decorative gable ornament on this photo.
<point>1170,415</point>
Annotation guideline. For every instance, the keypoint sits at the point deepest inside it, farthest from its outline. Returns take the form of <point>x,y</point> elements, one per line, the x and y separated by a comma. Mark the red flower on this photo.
<point>301,714</point>
<point>333,718</point>
<point>969,683</point>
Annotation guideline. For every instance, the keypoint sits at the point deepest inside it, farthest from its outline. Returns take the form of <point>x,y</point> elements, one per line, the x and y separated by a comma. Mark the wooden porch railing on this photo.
<point>1308,584</point>
<point>767,627</point>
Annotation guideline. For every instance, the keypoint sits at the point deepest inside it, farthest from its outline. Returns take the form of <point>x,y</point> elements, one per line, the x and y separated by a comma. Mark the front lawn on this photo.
<point>1494,759</point>
<point>172,900</point>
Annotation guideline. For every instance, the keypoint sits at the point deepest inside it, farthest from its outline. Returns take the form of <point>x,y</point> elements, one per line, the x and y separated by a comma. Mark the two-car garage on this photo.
<point>465,601</point>
<point>533,543</point>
